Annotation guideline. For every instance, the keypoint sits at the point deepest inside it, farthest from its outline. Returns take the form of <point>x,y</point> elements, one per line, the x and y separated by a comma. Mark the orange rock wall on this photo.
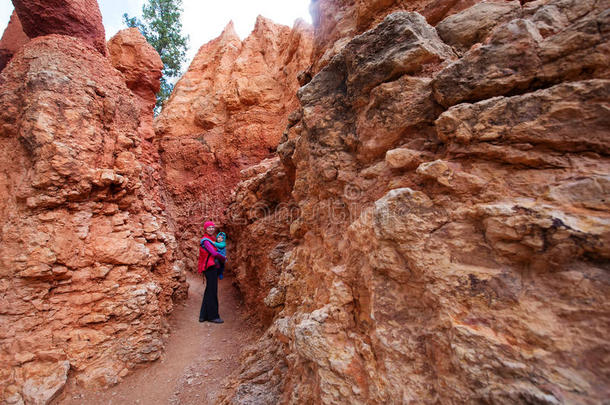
<point>451,241</point>
<point>88,263</point>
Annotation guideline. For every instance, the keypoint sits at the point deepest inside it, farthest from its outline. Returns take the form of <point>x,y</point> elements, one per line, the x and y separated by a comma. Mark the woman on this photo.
<point>206,264</point>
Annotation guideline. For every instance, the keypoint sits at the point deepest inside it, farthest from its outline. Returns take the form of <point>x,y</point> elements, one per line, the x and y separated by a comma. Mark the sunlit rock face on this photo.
<point>227,112</point>
<point>87,264</point>
<point>451,238</point>
<point>13,38</point>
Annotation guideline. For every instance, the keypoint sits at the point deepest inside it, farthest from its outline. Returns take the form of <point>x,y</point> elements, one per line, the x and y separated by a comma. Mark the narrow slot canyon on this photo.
<point>414,193</point>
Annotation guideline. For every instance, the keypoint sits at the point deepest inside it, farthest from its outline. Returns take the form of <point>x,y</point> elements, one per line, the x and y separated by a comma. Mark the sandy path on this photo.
<point>197,360</point>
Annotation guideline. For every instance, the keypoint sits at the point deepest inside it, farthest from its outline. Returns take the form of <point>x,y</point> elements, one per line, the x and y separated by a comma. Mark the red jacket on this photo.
<point>207,255</point>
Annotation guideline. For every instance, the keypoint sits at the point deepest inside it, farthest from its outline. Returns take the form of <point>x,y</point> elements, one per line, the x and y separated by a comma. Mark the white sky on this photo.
<point>202,20</point>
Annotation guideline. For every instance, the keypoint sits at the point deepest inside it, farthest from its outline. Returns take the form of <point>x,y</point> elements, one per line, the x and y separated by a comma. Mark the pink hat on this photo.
<point>208,223</point>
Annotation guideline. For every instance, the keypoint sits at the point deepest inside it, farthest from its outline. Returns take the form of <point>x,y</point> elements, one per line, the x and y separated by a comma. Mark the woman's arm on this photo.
<point>209,247</point>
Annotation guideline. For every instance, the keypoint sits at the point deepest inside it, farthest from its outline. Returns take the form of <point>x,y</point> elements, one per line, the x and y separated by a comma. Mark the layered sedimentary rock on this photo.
<point>76,18</point>
<point>141,66</point>
<point>265,207</point>
<point>338,21</point>
<point>87,264</point>
<point>12,39</point>
<point>227,112</point>
<point>452,236</point>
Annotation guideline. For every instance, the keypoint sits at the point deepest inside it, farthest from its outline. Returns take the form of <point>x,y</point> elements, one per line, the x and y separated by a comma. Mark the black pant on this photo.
<point>209,305</point>
<point>221,269</point>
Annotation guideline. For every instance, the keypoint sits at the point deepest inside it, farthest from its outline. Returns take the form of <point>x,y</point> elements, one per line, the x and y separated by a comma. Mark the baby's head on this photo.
<point>220,237</point>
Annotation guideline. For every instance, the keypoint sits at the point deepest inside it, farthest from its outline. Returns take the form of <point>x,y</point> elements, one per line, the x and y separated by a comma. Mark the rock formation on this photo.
<point>451,235</point>
<point>88,268</point>
<point>76,18</point>
<point>12,39</point>
<point>141,67</point>
<point>338,21</point>
<point>227,112</point>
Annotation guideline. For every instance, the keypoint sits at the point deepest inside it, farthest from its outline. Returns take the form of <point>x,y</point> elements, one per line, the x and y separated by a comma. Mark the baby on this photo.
<point>221,247</point>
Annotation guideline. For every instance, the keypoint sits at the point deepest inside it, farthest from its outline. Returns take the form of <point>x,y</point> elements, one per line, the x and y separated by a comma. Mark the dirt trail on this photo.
<point>197,360</point>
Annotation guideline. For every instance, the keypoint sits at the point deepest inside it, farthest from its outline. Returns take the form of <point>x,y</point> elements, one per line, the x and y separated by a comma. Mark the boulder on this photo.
<point>463,30</point>
<point>402,158</point>
<point>76,18</point>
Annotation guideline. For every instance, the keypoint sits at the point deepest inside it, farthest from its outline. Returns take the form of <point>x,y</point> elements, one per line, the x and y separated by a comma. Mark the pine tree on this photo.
<point>162,29</point>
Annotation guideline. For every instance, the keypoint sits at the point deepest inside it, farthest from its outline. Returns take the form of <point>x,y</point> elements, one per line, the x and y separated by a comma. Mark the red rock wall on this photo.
<point>88,269</point>
<point>452,237</point>
<point>227,112</point>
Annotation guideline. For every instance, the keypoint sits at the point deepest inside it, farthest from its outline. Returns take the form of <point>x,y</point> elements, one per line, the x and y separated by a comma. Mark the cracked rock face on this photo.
<point>87,264</point>
<point>226,113</point>
<point>451,233</point>
<point>338,21</point>
<point>517,57</point>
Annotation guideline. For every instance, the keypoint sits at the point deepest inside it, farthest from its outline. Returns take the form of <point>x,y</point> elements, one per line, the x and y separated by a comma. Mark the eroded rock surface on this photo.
<point>338,21</point>
<point>227,112</point>
<point>265,209</point>
<point>141,67</point>
<point>87,264</point>
<point>76,18</point>
<point>462,257</point>
<point>527,53</point>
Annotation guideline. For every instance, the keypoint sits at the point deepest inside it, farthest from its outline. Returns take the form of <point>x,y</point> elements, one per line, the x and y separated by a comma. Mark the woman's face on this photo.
<point>210,230</point>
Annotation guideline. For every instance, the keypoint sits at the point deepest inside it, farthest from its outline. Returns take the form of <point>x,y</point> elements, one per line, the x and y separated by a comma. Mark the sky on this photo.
<point>202,20</point>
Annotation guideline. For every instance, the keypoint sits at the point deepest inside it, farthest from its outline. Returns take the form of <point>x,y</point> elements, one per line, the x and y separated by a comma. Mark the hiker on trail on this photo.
<point>209,260</point>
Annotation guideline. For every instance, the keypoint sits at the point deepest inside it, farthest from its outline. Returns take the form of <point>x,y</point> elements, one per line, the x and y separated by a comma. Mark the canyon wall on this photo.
<point>338,21</point>
<point>436,226</point>
<point>227,112</point>
<point>88,264</point>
